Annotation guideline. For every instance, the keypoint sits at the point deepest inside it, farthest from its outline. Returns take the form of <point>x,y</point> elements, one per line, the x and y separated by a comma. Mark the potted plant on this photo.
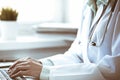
<point>8,18</point>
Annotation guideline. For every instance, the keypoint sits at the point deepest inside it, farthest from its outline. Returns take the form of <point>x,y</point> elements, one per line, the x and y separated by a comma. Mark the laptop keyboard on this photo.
<point>4,76</point>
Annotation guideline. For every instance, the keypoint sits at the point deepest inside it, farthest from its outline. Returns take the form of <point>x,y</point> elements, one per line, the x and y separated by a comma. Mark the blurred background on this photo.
<point>45,28</point>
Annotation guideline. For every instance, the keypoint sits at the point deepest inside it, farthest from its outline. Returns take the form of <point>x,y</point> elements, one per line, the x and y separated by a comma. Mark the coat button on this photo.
<point>93,44</point>
<point>79,42</point>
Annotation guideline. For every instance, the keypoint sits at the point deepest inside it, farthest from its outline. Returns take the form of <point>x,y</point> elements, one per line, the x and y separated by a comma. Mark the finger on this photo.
<point>24,63</point>
<point>18,68</point>
<point>17,65</point>
<point>17,62</point>
<point>20,73</point>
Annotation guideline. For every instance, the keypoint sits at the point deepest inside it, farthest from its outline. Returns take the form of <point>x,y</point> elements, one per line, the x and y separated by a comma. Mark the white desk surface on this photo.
<point>41,41</point>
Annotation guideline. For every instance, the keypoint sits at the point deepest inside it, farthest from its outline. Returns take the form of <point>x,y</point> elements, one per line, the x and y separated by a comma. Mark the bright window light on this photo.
<point>73,11</point>
<point>46,10</point>
<point>36,10</point>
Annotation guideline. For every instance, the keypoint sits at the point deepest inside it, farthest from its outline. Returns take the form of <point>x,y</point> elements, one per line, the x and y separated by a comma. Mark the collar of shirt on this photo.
<point>93,4</point>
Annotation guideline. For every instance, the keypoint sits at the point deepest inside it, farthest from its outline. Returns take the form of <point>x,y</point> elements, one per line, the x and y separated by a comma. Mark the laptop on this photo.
<point>4,72</point>
<point>4,76</point>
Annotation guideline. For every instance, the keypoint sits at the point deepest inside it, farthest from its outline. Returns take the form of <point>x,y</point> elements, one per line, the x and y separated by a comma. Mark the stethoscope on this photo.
<point>94,26</point>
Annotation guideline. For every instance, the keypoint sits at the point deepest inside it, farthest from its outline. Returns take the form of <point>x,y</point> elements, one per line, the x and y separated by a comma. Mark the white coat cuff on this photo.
<point>45,73</point>
<point>46,62</point>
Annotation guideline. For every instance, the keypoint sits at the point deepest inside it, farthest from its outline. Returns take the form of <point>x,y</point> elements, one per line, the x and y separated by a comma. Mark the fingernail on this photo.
<point>9,71</point>
<point>11,76</point>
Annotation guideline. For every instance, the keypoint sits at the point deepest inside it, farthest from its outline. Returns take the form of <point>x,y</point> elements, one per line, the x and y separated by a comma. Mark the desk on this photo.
<point>37,41</point>
<point>36,46</point>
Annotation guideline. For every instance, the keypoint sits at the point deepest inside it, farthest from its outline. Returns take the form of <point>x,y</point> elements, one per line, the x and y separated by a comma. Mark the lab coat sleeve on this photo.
<point>110,65</point>
<point>108,68</point>
<point>69,57</point>
<point>44,75</point>
<point>59,59</point>
<point>80,71</point>
<point>66,58</point>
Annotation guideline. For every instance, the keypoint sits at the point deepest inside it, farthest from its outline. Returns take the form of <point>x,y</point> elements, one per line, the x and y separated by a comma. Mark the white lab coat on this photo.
<point>88,61</point>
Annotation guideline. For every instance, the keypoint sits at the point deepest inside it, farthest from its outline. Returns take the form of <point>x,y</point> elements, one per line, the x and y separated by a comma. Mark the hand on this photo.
<point>28,67</point>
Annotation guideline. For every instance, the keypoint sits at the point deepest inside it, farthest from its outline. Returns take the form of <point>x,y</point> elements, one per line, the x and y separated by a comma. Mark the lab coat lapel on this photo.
<point>101,5</point>
<point>97,17</point>
<point>99,13</point>
<point>85,32</point>
<point>101,27</point>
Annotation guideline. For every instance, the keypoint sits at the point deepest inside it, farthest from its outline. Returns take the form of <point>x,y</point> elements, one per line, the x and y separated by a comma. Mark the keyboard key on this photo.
<point>5,74</point>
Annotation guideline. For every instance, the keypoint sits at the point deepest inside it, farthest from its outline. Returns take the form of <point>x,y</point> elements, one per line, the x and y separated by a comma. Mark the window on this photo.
<point>36,10</point>
<point>46,10</point>
<point>73,11</point>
